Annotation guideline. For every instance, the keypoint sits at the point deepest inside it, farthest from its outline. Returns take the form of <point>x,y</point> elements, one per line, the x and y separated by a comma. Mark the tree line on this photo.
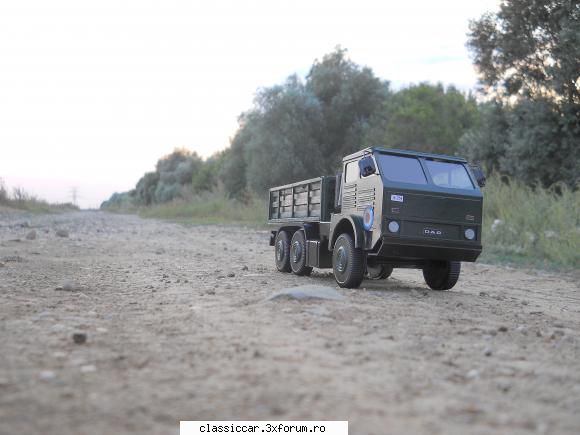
<point>525,125</point>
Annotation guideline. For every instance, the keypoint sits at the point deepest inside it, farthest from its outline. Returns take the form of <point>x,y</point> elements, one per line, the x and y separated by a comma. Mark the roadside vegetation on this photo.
<point>19,199</point>
<point>531,225</point>
<point>523,127</point>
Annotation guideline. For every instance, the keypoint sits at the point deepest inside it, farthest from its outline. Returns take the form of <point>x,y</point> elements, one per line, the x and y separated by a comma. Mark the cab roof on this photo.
<point>408,153</point>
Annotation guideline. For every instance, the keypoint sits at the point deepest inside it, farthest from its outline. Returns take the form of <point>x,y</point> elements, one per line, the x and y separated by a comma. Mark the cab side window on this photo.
<point>351,172</point>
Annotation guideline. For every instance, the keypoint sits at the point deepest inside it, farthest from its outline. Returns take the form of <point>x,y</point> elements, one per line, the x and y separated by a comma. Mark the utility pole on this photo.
<point>74,193</point>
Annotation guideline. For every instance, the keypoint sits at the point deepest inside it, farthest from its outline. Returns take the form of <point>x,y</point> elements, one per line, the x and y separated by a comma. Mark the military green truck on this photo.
<point>387,209</point>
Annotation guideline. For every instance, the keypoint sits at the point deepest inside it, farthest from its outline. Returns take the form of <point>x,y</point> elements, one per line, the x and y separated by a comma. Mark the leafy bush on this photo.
<point>532,221</point>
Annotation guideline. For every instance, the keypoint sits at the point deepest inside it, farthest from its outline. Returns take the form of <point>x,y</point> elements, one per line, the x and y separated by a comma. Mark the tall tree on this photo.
<point>349,95</point>
<point>424,117</point>
<point>530,48</point>
<point>528,58</point>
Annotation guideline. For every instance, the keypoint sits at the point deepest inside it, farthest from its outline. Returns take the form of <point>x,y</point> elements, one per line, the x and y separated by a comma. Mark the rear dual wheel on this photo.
<point>290,254</point>
<point>282,251</point>
<point>298,254</point>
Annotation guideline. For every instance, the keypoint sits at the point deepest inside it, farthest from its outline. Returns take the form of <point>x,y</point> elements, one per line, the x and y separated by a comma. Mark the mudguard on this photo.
<point>341,222</point>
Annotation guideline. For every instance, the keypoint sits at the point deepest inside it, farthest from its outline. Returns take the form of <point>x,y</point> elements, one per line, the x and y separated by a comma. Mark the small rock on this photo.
<point>13,259</point>
<point>231,275</point>
<point>31,235</point>
<point>483,294</point>
<point>307,292</point>
<point>210,292</point>
<point>62,233</point>
<point>502,329</point>
<point>68,286</point>
<point>88,368</point>
<point>2,264</point>
<point>487,351</point>
<point>245,268</point>
<point>559,325</point>
<point>160,251</point>
<point>47,375</point>
<point>79,337</point>
<point>504,386</point>
<point>472,374</point>
<point>417,294</point>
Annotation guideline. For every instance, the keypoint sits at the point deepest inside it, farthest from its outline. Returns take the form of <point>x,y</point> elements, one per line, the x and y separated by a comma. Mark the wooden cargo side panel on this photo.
<point>297,201</point>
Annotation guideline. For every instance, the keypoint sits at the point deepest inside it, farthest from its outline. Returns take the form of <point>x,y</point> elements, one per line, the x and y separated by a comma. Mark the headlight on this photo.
<point>469,234</point>
<point>368,218</point>
<point>394,227</point>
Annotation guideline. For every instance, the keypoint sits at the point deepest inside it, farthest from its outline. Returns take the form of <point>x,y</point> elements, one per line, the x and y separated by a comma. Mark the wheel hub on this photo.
<point>341,259</point>
<point>296,252</point>
<point>280,250</point>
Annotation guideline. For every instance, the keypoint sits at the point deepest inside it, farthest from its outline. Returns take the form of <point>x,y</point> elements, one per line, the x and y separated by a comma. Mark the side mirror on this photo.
<point>479,175</point>
<point>367,166</point>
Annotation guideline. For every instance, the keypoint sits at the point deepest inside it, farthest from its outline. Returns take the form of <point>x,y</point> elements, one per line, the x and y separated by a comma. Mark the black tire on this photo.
<point>298,254</point>
<point>380,271</point>
<point>442,275</point>
<point>282,251</point>
<point>348,262</point>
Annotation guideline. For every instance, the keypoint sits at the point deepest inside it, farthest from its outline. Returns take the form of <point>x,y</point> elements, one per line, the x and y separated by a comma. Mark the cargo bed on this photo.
<point>305,201</point>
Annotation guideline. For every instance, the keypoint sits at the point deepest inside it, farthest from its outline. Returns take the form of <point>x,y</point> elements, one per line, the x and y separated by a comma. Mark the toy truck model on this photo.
<point>387,209</point>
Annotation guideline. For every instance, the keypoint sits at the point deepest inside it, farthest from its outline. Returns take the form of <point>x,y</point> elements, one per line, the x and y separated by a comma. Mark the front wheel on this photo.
<point>442,275</point>
<point>347,262</point>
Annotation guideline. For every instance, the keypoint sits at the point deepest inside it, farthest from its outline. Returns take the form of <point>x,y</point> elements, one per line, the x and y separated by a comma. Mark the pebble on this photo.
<point>47,375</point>
<point>472,374</point>
<point>504,386</point>
<point>487,351</point>
<point>502,328</point>
<point>62,233</point>
<point>79,337</point>
<point>231,275</point>
<point>245,268</point>
<point>306,292</point>
<point>31,235</point>
<point>68,286</point>
<point>88,368</point>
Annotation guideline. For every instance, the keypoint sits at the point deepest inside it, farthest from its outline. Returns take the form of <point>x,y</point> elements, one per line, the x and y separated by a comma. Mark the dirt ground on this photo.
<point>178,327</point>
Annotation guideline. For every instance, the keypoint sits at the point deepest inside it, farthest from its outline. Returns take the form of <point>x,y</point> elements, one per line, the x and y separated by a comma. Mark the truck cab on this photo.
<point>389,208</point>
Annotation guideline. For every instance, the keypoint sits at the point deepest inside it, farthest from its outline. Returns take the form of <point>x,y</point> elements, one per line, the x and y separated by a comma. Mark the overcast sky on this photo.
<point>92,93</point>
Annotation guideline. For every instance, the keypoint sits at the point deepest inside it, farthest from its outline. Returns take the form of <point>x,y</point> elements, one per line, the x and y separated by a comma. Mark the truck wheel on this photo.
<point>347,262</point>
<point>442,275</point>
<point>298,254</point>
<point>380,271</point>
<point>282,251</point>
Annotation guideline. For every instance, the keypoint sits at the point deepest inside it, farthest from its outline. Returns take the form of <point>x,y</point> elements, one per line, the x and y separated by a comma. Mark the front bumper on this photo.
<point>425,249</point>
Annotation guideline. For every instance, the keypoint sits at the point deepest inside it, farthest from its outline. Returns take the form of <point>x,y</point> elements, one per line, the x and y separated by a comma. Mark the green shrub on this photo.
<point>534,222</point>
<point>211,208</point>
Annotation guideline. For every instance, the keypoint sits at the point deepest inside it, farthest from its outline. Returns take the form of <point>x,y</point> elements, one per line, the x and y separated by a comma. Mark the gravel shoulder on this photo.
<point>179,324</point>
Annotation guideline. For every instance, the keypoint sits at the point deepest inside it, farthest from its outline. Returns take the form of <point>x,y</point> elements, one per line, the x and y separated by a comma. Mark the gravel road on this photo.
<point>110,324</point>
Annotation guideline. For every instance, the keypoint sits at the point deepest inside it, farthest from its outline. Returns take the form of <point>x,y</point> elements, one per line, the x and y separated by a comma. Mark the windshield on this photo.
<point>445,174</point>
<point>401,169</point>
